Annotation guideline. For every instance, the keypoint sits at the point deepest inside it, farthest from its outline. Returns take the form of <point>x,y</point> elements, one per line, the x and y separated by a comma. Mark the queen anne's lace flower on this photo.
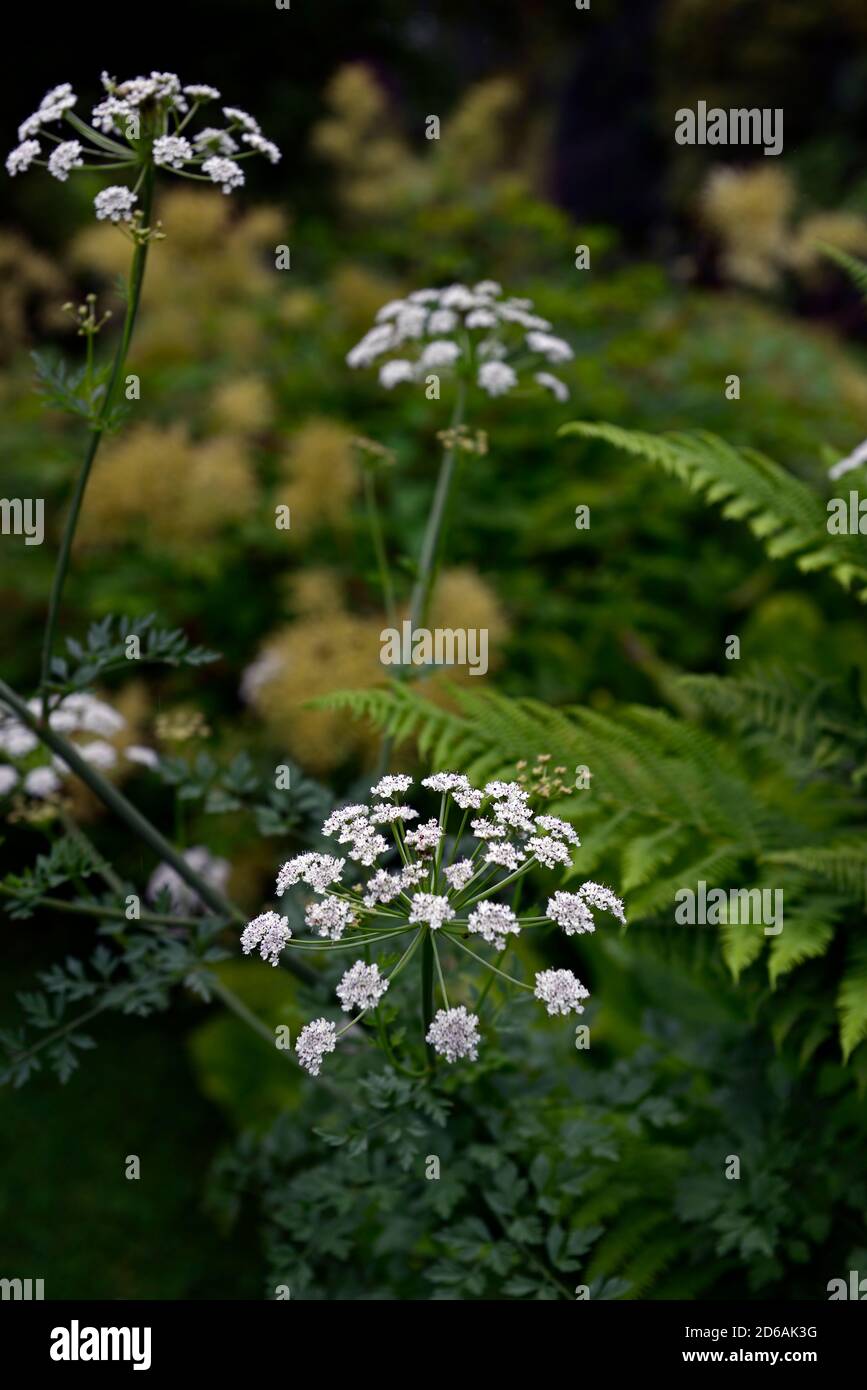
<point>8,779</point>
<point>114,204</point>
<point>417,895</point>
<point>458,875</point>
<point>269,932</point>
<point>390,784</point>
<point>571,913</point>
<point>330,917</point>
<point>22,157</point>
<point>144,115</point>
<point>314,1041</point>
<point>172,151</point>
<point>454,1033</point>
<point>362,987</point>
<point>432,909</point>
<point>318,871</point>
<point>560,991</point>
<point>64,158</point>
<point>603,898</point>
<point>475,333</point>
<point>548,851</point>
<point>224,171</point>
<point>494,922</point>
<point>426,838</point>
<point>182,898</point>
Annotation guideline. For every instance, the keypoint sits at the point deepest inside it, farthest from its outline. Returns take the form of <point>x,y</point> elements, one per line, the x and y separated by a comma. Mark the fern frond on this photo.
<point>852,1002</point>
<point>784,514</point>
<point>855,269</point>
<point>844,865</point>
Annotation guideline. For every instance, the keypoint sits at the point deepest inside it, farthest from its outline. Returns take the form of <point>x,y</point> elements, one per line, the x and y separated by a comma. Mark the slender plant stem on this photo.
<point>375,524</point>
<point>487,964</point>
<point>427,994</point>
<point>160,919</point>
<point>430,546</point>
<point>436,956</point>
<point>139,260</point>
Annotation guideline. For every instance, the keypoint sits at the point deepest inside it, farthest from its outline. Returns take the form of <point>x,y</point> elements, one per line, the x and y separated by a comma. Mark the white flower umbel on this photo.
<point>183,899</point>
<point>314,1041</point>
<point>362,987</point>
<point>476,334</point>
<point>454,1034</point>
<point>560,991</point>
<point>139,124</point>
<point>269,932</point>
<point>439,886</point>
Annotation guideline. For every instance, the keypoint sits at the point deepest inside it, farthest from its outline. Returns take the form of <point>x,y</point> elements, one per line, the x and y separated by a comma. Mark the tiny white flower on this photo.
<point>560,991</point>
<point>549,851</point>
<point>270,932</point>
<point>243,119</point>
<point>391,783</point>
<point>387,812</point>
<point>200,91</point>
<point>98,753</point>
<point>561,829</point>
<point>603,898</point>
<point>145,757</point>
<point>383,887</point>
<point>331,916</point>
<point>481,318</point>
<point>314,1041</point>
<point>457,297</point>
<point>571,913</point>
<point>440,353</point>
<point>459,874</point>
<point>553,384</point>
<point>430,909</point>
<point>409,323</point>
<point>64,158</point>
<point>318,871</point>
<point>551,348</point>
<point>494,922</point>
<point>41,782</point>
<point>172,151</point>
<point>362,987</point>
<point>484,829</point>
<point>22,157</point>
<point>224,172</point>
<point>262,146</point>
<point>426,837</point>
<point>393,373</point>
<point>454,1033</point>
<point>8,778</point>
<point>218,141</point>
<point>497,378</point>
<point>442,321</point>
<point>115,204</point>
<point>504,854</point>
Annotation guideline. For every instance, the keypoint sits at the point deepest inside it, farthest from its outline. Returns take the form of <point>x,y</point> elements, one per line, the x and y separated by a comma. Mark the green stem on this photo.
<point>160,919</point>
<point>430,546</point>
<point>427,994</point>
<point>379,544</point>
<point>136,277</point>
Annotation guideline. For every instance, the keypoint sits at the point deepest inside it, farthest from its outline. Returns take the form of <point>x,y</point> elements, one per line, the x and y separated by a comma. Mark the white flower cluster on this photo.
<point>270,932</point>
<point>184,900</point>
<point>426,889</point>
<point>89,723</point>
<point>138,121</point>
<point>474,332</point>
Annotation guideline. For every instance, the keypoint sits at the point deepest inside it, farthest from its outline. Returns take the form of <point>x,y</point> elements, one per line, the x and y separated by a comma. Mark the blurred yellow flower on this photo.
<point>748,210</point>
<point>242,405</point>
<point>319,476</point>
<point>157,480</point>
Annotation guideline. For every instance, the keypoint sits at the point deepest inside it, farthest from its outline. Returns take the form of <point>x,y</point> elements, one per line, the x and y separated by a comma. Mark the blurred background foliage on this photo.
<point>557,132</point>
